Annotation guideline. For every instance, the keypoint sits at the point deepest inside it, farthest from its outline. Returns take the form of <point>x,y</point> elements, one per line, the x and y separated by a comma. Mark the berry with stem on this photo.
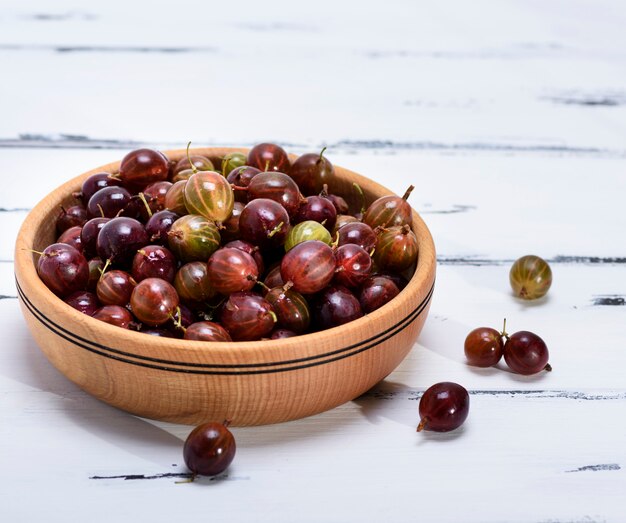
<point>443,407</point>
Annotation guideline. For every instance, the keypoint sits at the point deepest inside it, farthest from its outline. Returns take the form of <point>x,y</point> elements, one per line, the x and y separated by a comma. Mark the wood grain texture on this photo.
<point>248,383</point>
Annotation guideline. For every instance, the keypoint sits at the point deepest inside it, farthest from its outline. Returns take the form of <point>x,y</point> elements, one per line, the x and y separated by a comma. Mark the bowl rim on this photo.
<point>25,265</point>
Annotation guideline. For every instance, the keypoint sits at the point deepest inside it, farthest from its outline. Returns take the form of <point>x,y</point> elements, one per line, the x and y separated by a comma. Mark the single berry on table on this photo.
<point>209,449</point>
<point>484,346</point>
<point>530,277</point>
<point>443,407</point>
<point>526,353</point>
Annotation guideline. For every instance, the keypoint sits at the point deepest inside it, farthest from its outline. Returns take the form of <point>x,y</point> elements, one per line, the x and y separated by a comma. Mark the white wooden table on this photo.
<point>510,119</point>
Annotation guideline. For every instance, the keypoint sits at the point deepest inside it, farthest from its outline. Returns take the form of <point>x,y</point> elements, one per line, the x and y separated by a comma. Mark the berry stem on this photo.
<point>36,252</point>
<point>177,318</point>
<point>263,286</point>
<point>359,191</point>
<point>422,424</point>
<point>548,367</point>
<point>504,333</point>
<point>408,192</point>
<point>193,167</point>
<point>275,230</point>
<point>321,155</point>
<point>106,266</point>
<point>101,210</point>
<point>142,197</point>
<point>273,315</point>
<point>190,479</point>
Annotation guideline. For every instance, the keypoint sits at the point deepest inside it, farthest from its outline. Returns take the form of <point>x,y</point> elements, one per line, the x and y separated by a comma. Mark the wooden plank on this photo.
<point>436,87</point>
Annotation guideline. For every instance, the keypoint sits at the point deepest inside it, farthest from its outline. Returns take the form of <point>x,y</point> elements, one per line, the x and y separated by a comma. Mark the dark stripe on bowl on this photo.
<point>93,344</point>
<point>119,355</point>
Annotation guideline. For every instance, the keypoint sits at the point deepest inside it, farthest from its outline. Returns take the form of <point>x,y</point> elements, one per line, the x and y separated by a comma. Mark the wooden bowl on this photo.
<point>250,383</point>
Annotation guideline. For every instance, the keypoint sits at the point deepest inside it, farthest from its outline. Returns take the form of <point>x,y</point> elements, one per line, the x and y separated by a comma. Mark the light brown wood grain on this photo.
<point>249,383</point>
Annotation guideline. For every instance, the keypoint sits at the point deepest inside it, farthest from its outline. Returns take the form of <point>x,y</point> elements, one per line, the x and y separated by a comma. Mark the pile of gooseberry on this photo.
<point>255,247</point>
